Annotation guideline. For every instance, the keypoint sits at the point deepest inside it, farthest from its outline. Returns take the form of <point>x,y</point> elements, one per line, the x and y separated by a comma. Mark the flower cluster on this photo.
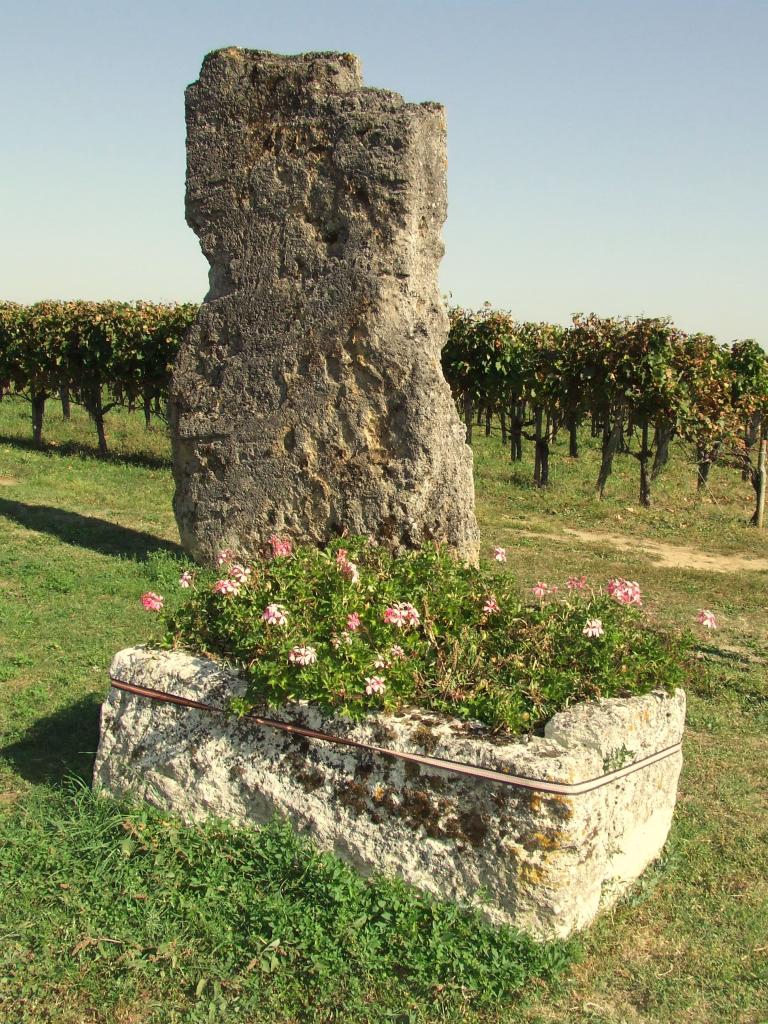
<point>625,591</point>
<point>347,569</point>
<point>302,655</point>
<point>375,684</point>
<point>239,573</point>
<point>227,587</point>
<point>152,602</point>
<point>275,615</point>
<point>282,547</point>
<point>402,615</point>
<point>594,627</point>
<point>468,643</point>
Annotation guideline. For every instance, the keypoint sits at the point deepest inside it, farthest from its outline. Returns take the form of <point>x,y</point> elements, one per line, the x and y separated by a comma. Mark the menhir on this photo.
<point>308,399</point>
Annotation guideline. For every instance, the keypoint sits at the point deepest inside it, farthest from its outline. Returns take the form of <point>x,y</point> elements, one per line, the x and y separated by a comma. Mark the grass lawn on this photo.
<point>113,913</point>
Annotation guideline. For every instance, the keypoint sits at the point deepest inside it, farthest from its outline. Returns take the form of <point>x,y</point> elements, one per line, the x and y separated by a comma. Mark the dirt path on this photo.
<point>665,556</point>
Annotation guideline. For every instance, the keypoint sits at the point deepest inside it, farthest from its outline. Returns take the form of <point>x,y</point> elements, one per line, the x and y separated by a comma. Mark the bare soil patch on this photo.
<point>664,556</point>
<point>7,481</point>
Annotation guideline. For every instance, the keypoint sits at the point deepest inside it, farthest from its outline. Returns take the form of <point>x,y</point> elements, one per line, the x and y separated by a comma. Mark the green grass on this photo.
<point>192,912</point>
<point>215,923</point>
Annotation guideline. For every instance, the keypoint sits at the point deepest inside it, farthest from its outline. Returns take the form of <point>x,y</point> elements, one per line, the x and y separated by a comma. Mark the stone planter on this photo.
<point>538,832</point>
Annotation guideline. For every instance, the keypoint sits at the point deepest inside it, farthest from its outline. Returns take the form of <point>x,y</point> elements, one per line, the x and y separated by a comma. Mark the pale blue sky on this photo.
<point>604,155</point>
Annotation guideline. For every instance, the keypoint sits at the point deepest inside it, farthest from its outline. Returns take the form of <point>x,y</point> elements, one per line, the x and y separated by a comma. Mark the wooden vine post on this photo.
<point>761,477</point>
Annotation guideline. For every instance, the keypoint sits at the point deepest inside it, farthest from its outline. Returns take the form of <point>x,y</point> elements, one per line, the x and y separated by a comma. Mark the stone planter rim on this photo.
<point>534,784</point>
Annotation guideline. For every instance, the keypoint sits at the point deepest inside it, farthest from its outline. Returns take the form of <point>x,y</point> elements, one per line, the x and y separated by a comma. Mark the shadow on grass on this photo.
<point>716,653</point>
<point>85,531</point>
<point>60,745</point>
<point>69,448</point>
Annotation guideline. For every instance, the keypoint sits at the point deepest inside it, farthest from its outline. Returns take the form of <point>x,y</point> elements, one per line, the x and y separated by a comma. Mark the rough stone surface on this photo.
<point>545,863</point>
<point>308,398</point>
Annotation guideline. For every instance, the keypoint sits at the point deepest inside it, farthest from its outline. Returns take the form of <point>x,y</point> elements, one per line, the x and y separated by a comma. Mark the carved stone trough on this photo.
<point>539,832</point>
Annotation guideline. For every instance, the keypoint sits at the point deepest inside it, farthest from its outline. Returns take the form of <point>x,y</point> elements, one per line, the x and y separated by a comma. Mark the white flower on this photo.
<point>275,615</point>
<point>302,655</point>
<point>375,684</point>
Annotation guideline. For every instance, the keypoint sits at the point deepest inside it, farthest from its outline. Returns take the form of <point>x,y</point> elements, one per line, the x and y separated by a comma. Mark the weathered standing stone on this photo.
<point>308,398</point>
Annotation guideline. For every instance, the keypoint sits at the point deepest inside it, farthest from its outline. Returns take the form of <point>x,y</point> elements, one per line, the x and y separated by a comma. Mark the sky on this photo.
<point>603,155</point>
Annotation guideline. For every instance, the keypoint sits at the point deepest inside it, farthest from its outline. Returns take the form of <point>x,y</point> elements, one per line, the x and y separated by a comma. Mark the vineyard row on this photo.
<point>640,382</point>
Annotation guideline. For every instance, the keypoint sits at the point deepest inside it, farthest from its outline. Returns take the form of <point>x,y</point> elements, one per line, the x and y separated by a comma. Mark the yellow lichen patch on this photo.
<point>534,801</point>
<point>530,874</point>
<point>560,806</point>
<point>547,840</point>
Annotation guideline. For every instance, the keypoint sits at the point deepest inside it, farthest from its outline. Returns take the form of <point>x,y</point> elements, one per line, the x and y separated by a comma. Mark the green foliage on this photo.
<point>624,373</point>
<point>102,353</point>
<point>483,357</point>
<point>237,921</point>
<point>709,416</point>
<point>79,542</point>
<point>12,326</point>
<point>511,668</point>
<point>748,376</point>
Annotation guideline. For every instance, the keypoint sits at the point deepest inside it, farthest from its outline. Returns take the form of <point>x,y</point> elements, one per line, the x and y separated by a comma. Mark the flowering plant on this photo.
<point>356,629</point>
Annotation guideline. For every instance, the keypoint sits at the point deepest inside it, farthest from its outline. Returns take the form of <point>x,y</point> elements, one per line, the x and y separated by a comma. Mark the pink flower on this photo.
<point>152,602</point>
<point>491,605</point>
<point>594,627</point>
<point>576,582</point>
<point>225,556</point>
<point>625,591</point>
<point>281,546</point>
<point>186,579</point>
<point>500,554</point>
<point>353,622</point>
<point>375,684</point>
<point>382,662</point>
<point>275,615</point>
<point>411,616</point>
<point>349,571</point>
<point>540,590</point>
<point>396,652</point>
<point>393,616</point>
<point>707,619</point>
<point>226,587</point>
<point>341,556</point>
<point>401,615</point>
<point>302,655</point>
<point>239,573</point>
